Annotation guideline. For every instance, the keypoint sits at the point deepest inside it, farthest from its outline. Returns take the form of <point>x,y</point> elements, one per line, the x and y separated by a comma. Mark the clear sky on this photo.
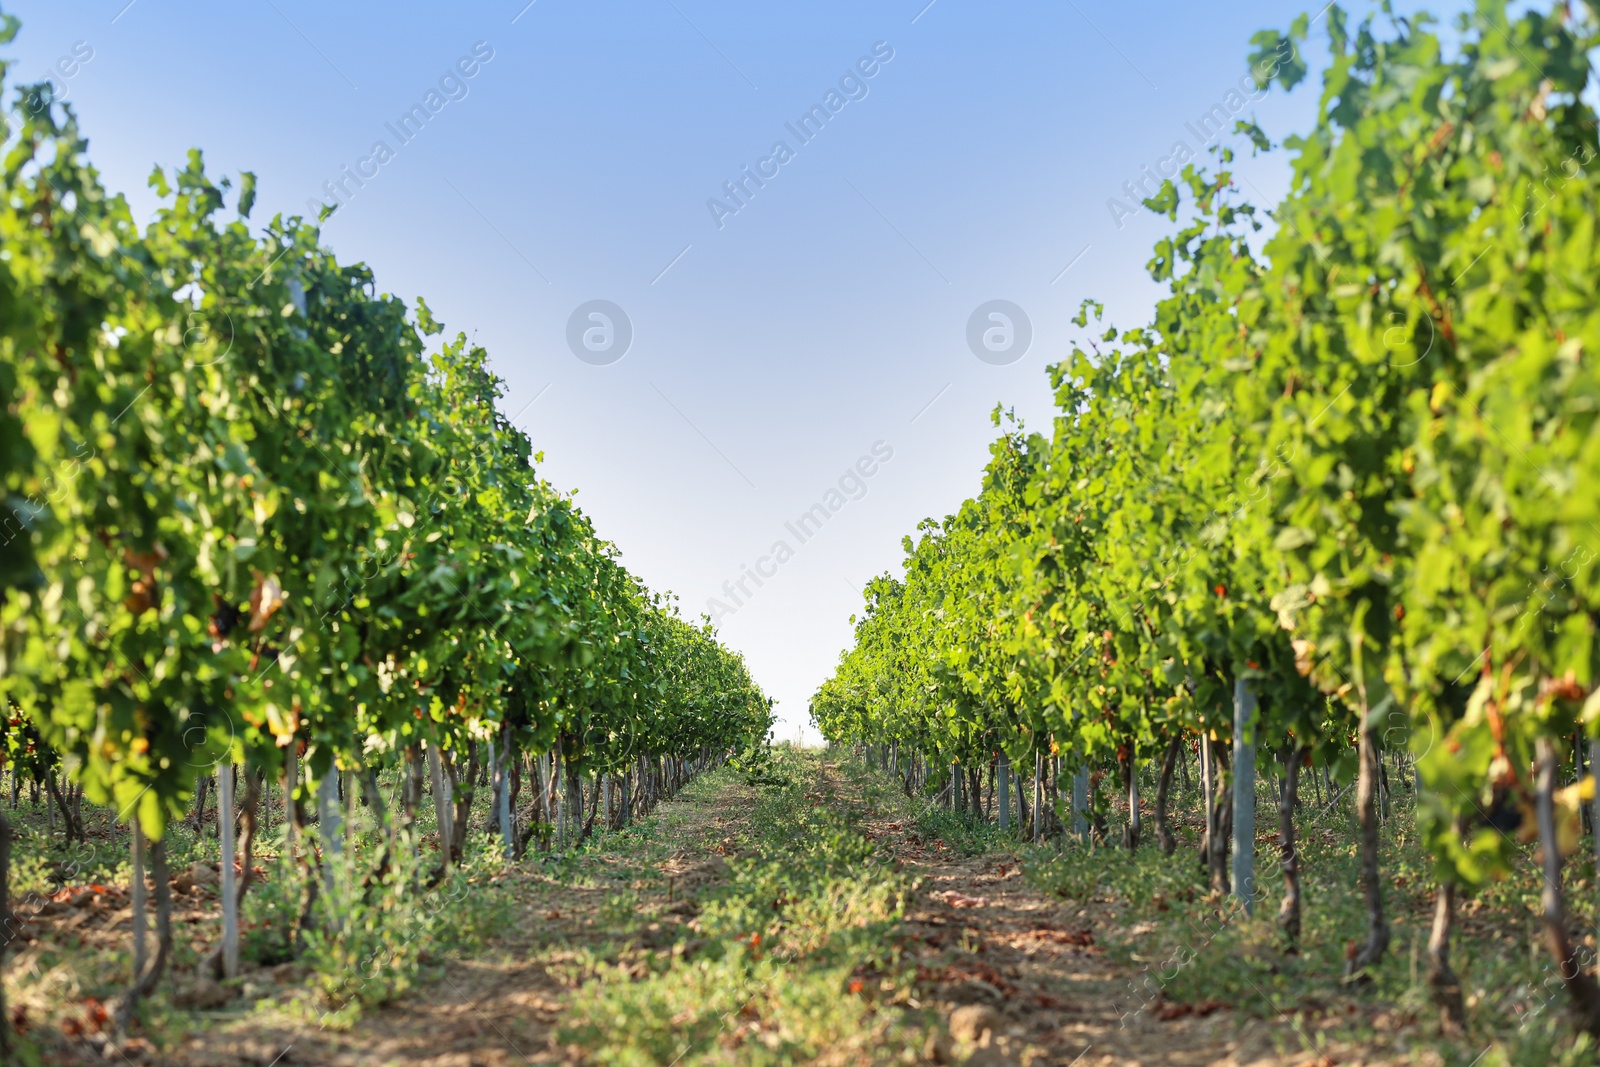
<point>806,336</point>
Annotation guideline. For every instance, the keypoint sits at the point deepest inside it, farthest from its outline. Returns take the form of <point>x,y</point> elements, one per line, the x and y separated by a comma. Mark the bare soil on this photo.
<point>1018,974</point>
<point>981,935</point>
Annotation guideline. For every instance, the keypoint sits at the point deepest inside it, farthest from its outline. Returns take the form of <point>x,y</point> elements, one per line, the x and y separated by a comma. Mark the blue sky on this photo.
<point>810,348</point>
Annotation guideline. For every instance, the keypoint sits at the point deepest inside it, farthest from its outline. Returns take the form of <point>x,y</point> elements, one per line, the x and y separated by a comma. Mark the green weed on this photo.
<point>795,958</point>
<point>370,941</point>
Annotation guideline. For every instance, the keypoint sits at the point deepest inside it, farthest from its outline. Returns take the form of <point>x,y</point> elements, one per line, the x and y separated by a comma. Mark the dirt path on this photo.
<point>502,1005</point>
<point>992,954</point>
<point>993,951</point>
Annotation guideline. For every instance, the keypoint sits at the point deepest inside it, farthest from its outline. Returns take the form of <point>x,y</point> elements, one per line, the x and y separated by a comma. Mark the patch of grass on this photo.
<point>1182,946</point>
<point>793,959</point>
<point>1186,946</point>
<point>965,832</point>
<point>270,914</point>
<point>765,765</point>
<point>370,943</point>
<point>620,911</point>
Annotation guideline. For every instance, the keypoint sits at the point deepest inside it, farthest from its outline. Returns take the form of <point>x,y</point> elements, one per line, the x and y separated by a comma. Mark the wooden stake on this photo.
<point>1080,803</point>
<point>502,793</point>
<point>5,922</point>
<point>1244,793</point>
<point>1003,787</point>
<point>230,899</point>
<point>441,805</point>
<point>291,771</point>
<point>136,890</point>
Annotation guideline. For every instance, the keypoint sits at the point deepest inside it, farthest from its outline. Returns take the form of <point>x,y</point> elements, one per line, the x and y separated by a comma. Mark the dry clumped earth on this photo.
<point>1016,976</point>
<point>997,954</point>
<point>502,1006</point>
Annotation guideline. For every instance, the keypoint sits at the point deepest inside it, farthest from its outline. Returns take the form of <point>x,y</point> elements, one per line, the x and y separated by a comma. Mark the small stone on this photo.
<point>199,876</point>
<point>290,973</point>
<point>205,994</point>
<point>972,1021</point>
